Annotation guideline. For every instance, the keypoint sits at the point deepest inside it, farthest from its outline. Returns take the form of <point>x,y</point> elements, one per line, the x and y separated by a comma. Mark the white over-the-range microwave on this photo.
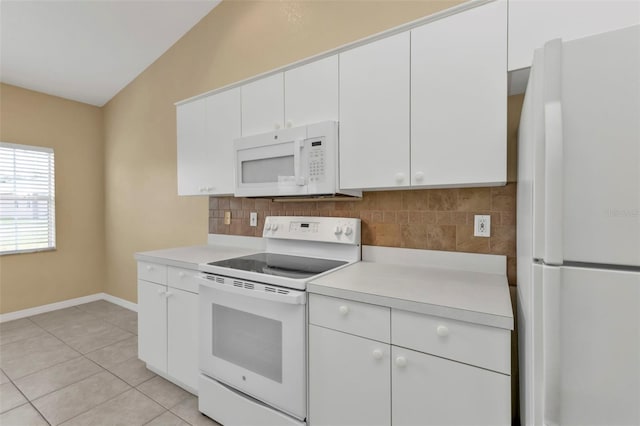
<point>299,161</point>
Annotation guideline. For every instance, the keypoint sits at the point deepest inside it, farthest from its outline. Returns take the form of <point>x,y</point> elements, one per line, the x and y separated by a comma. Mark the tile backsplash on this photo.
<point>434,219</point>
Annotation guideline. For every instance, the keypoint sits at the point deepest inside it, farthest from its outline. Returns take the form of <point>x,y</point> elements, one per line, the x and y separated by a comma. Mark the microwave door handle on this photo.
<point>298,146</point>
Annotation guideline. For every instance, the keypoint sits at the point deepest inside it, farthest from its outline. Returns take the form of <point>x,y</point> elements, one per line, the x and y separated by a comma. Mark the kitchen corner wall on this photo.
<point>76,267</point>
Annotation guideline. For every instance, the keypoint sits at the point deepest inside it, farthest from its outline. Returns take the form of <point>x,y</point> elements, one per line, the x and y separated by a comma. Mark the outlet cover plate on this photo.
<point>253,219</point>
<point>482,225</point>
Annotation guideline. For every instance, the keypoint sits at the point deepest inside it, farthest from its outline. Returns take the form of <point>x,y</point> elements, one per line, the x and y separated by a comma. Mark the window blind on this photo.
<point>27,198</point>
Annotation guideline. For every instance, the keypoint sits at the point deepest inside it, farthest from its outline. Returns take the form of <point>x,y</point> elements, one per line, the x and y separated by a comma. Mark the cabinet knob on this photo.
<point>442,331</point>
<point>181,274</point>
<point>419,176</point>
<point>401,361</point>
<point>277,126</point>
<point>168,294</point>
<point>338,230</point>
<point>377,354</point>
<point>149,268</point>
<point>161,292</point>
<point>289,124</point>
<point>399,177</point>
<point>344,310</point>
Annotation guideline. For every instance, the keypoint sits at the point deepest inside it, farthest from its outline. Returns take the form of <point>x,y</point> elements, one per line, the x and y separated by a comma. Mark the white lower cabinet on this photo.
<point>355,380</point>
<point>349,379</point>
<point>168,325</point>
<point>428,390</point>
<point>152,324</point>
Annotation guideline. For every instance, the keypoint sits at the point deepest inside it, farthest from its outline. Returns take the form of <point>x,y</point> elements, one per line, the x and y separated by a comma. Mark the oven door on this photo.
<point>252,338</point>
<point>271,164</point>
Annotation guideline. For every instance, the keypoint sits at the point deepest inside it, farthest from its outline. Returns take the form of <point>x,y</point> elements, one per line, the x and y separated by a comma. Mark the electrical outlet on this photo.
<point>227,218</point>
<point>253,219</point>
<point>482,225</point>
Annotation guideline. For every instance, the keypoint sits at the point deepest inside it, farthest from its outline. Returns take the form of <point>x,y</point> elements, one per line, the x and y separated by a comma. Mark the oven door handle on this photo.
<point>292,297</point>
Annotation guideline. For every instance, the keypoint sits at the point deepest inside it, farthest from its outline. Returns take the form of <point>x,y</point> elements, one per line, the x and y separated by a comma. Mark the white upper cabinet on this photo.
<point>534,22</point>
<point>374,114</point>
<point>311,93</point>
<point>263,105</point>
<point>459,99</point>
<point>206,130</point>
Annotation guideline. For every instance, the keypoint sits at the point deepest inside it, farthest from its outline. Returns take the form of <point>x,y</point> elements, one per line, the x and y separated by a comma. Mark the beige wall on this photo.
<point>238,39</point>
<point>75,132</point>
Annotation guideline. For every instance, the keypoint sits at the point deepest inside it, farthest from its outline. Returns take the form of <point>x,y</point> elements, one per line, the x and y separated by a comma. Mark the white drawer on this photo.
<point>152,272</point>
<point>479,345</point>
<point>184,279</point>
<point>361,319</point>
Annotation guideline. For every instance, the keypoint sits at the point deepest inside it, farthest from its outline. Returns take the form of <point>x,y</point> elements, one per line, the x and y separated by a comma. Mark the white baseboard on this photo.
<point>121,302</point>
<point>10,316</point>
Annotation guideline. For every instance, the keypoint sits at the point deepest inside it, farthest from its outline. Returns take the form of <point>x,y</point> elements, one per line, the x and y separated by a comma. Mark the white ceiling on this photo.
<point>88,50</point>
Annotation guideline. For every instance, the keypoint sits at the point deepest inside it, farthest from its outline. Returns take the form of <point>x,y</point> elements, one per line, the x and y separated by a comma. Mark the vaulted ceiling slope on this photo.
<point>88,50</point>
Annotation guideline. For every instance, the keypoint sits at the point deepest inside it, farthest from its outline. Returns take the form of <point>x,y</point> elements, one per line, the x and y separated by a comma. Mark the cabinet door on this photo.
<point>192,145</point>
<point>263,105</point>
<point>459,98</point>
<point>374,114</point>
<point>222,126</point>
<point>429,390</point>
<point>152,325</point>
<point>311,93</point>
<point>349,381</point>
<point>206,130</point>
<point>182,336</point>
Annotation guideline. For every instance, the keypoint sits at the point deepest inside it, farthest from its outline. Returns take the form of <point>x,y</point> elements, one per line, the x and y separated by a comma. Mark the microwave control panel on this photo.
<point>317,154</point>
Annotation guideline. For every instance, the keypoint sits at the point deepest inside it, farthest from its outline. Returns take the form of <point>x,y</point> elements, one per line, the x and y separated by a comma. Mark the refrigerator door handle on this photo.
<point>553,170</point>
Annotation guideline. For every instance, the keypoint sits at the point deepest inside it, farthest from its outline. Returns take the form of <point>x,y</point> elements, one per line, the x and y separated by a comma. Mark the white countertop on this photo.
<point>477,297</point>
<point>190,257</point>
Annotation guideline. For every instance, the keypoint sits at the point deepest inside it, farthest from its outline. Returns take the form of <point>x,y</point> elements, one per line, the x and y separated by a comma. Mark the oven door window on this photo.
<point>248,341</point>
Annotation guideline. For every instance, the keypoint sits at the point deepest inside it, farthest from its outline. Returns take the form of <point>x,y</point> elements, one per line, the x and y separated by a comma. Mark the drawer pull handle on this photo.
<point>377,354</point>
<point>344,310</point>
<point>401,361</point>
<point>442,331</point>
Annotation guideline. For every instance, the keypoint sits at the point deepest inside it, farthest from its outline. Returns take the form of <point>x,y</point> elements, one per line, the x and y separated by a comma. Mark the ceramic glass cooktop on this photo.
<point>280,264</point>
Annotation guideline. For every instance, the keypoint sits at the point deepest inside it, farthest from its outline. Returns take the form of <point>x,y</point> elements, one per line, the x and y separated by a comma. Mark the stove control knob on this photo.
<point>348,230</point>
<point>338,230</point>
<point>274,227</point>
<point>267,226</point>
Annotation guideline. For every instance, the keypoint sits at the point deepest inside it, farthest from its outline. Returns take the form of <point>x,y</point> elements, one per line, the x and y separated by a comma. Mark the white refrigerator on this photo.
<point>579,233</point>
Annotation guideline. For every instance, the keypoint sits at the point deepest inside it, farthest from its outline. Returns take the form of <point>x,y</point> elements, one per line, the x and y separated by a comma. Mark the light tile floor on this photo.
<point>79,366</point>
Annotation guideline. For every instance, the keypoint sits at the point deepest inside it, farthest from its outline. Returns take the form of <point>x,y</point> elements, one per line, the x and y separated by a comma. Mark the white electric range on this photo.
<point>253,320</point>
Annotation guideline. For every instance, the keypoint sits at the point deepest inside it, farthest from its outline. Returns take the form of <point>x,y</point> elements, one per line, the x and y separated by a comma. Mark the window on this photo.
<point>27,199</point>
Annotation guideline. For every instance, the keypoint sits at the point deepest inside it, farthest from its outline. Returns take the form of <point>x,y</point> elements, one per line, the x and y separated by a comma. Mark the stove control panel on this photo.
<point>342,230</point>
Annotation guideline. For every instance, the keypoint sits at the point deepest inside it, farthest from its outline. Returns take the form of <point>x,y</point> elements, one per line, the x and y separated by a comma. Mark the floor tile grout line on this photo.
<point>39,413</point>
<point>103,402</point>
<point>28,401</point>
<point>161,414</point>
<point>57,363</point>
<point>70,384</point>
